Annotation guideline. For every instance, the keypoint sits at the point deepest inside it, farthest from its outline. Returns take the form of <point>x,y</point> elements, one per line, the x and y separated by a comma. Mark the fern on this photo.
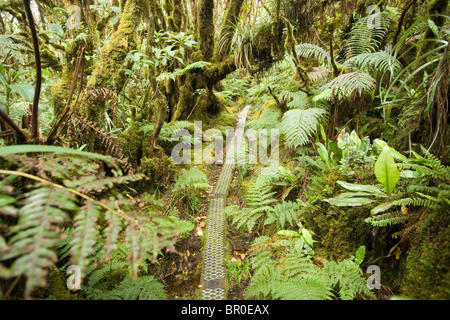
<point>347,276</point>
<point>307,50</point>
<point>85,234</point>
<point>143,288</point>
<point>366,36</point>
<point>192,179</point>
<point>387,219</point>
<point>297,126</point>
<point>319,73</point>
<point>305,287</point>
<point>93,227</point>
<point>36,233</point>
<point>258,199</point>
<point>282,270</point>
<point>282,212</point>
<point>380,61</point>
<point>347,86</point>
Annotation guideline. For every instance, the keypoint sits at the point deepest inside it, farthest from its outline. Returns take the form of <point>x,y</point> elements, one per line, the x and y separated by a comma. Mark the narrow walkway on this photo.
<point>213,279</point>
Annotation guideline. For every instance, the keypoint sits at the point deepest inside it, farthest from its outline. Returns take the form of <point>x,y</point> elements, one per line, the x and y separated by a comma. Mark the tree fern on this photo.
<point>319,73</point>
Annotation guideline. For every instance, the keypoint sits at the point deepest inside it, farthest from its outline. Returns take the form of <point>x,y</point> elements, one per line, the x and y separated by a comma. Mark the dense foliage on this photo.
<point>94,92</point>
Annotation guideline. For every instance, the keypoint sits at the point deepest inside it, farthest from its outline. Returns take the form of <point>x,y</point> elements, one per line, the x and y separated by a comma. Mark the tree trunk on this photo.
<point>107,72</point>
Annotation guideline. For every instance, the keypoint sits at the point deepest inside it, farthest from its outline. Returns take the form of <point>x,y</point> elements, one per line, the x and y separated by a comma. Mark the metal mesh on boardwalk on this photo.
<point>213,276</point>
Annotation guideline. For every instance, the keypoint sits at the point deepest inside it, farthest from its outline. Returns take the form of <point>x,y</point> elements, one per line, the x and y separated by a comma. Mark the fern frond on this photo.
<point>36,233</point>
<point>137,244</point>
<point>375,62</point>
<point>319,73</point>
<point>282,212</point>
<point>298,125</point>
<point>111,234</point>
<point>143,288</point>
<point>387,219</point>
<point>308,50</point>
<point>347,86</point>
<point>346,275</point>
<point>194,179</point>
<point>305,287</point>
<point>85,234</point>
<point>366,34</point>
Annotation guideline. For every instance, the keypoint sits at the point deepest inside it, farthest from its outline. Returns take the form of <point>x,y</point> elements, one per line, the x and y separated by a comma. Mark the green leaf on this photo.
<point>349,202</point>
<point>360,254</point>
<point>307,236</point>
<point>386,170</point>
<point>5,200</point>
<point>381,208</point>
<point>41,148</point>
<point>26,90</point>
<point>433,27</point>
<point>361,188</point>
<point>289,233</point>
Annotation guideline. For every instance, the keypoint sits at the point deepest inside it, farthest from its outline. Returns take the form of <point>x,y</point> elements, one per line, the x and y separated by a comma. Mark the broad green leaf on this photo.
<point>360,254</point>
<point>381,208</point>
<point>289,233</point>
<point>26,90</point>
<point>307,236</point>
<point>410,174</point>
<point>379,144</point>
<point>386,170</point>
<point>57,28</point>
<point>361,188</point>
<point>349,202</point>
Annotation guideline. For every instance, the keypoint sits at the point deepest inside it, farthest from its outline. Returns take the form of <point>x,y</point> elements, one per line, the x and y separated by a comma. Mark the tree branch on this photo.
<point>37,58</point>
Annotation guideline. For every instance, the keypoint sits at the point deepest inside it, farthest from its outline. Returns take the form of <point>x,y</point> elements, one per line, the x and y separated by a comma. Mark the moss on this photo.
<point>132,141</point>
<point>159,169</point>
<point>58,289</point>
<point>172,25</point>
<point>106,72</point>
<point>206,28</point>
<point>427,266</point>
<point>186,99</point>
<point>60,92</point>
